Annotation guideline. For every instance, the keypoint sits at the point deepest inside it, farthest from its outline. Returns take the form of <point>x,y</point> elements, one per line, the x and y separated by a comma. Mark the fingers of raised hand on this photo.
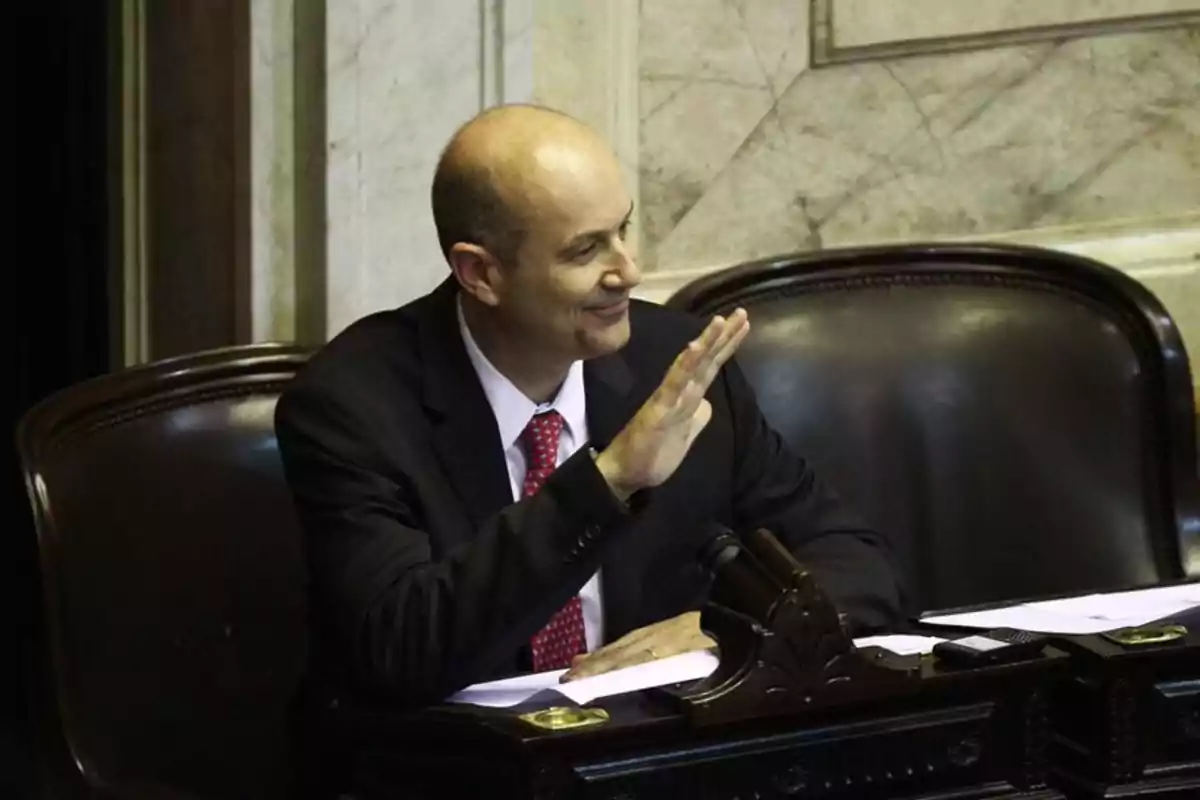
<point>695,368</point>
<point>717,345</point>
<point>690,361</point>
<point>732,336</point>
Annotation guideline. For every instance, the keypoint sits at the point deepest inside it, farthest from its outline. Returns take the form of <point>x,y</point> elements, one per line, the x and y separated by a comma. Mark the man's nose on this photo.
<point>625,271</point>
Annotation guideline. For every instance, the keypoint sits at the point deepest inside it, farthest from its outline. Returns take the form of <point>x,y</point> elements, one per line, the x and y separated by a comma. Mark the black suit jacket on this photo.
<point>425,576</point>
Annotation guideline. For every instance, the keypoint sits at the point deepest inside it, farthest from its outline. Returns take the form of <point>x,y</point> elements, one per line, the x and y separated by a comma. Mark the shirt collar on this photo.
<point>511,407</point>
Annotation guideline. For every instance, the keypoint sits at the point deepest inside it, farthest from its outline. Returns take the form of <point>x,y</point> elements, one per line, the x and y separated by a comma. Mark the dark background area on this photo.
<point>65,280</point>
<point>58,282</point>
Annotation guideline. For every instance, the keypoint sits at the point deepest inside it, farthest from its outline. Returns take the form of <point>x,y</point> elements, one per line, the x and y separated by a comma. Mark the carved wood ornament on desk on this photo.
<point>782,644</point>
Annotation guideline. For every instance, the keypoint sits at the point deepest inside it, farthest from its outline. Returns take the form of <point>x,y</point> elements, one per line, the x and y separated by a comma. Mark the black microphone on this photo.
<point>719,551</point>
<point>740,581</point>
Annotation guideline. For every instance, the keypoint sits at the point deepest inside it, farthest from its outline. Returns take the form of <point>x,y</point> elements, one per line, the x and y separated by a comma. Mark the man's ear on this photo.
<point>477,272</point>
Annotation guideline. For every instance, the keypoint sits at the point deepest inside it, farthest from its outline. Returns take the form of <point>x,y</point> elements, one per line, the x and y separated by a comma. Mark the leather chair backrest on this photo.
<point>1019,421</point>
<point>172,570</point>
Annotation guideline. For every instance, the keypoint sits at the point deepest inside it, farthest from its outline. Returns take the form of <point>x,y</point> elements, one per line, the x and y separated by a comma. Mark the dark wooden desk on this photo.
<point>1090,720</point>
<point>982,734</point>
<point>1126,722</point>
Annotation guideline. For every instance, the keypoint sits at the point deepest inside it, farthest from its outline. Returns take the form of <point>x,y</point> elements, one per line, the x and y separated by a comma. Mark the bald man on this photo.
<point>516,471</point>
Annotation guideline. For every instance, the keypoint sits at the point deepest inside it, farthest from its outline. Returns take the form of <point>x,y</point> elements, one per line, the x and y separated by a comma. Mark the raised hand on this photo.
<point>650,448</point>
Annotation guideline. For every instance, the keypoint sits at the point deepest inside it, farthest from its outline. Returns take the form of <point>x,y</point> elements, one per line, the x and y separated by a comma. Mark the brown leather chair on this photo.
<point>173,574</point>
<point>1020,421</point>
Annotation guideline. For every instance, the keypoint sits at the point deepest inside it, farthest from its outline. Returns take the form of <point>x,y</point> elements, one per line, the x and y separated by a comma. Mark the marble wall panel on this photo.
<point>750,146</point>
<point>272,184</point>
<point>1007,139</point>
<point>846,28</point>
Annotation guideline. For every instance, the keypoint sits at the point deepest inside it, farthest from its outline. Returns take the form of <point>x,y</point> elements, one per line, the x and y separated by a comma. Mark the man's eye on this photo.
<point>586,252</point>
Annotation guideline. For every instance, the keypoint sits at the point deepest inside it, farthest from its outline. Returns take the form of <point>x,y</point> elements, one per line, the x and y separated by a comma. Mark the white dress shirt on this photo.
<point>513,412</point>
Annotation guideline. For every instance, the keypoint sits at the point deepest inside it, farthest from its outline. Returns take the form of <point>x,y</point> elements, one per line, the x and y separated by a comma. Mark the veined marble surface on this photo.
<point>864,22</point>
<point>746,153</point>
<point>272,181</point>
<point>400,78</point>
<point>391,107</point>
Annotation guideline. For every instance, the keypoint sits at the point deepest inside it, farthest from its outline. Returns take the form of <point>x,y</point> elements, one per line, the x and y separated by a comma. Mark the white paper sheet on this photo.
<point>903,644</point>
<point>1093,613</point>
<point>545,688</point>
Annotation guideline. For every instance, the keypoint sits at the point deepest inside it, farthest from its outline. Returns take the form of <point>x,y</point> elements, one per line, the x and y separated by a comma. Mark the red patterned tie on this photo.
<point>562,638</point>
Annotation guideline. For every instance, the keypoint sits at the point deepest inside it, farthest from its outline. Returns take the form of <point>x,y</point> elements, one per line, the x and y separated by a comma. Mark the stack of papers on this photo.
<point>544,688</point>
<point>1094,613</point>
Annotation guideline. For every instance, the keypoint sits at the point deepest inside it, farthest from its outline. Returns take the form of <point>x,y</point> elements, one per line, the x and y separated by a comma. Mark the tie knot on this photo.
<point>540,438</point>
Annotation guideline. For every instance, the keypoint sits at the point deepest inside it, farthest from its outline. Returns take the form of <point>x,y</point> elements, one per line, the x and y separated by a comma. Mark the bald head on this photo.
<point>501,169</point>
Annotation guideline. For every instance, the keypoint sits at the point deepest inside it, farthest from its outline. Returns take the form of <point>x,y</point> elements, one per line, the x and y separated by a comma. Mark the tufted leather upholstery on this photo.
<point>173,572</point>
<point>1020,421</point>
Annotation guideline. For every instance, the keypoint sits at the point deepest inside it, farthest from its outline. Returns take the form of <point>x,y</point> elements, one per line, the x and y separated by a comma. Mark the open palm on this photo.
<point>650,448</point>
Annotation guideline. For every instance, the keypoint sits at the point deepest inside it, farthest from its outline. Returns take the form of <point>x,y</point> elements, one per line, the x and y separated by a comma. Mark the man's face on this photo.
<point>568,294</point>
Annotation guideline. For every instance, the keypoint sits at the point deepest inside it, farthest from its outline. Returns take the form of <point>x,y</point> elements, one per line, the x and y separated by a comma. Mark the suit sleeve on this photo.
<point>410,628</point>
<point>778,490</point>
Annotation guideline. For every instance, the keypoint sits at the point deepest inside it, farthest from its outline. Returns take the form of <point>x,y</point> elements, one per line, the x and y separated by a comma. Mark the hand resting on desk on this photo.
<point>670,637</point>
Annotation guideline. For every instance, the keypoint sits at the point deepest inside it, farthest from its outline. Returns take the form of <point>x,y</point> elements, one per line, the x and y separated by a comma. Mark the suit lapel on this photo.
<point>612,399</point>
<point>467,440</point>
<point>465,435</point>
